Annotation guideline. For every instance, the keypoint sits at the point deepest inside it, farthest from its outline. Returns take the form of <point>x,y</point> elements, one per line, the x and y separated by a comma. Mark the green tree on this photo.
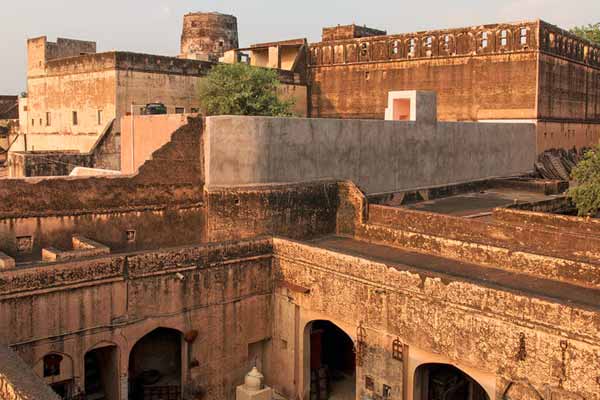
<point>590,32</point>
<point>586,195</point>
<point>239,89</point>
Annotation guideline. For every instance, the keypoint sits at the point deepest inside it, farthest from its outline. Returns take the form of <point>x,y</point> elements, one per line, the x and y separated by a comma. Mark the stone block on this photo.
<point>242,393</point>
<point>6,262</point>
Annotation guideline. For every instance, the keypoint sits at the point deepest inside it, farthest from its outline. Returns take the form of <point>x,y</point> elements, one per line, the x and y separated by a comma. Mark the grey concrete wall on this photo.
<point>380,156</point>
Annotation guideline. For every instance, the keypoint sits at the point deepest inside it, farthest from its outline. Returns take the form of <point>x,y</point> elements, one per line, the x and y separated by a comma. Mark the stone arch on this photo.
<point>440,379</point>
<point>428,44</point>
<point>466,43</point>
<point>447,44</point>
<point>327,57</point>
<point>329,359</point>
<point>364,51</point>
<point>156,363</point>
<point>504,39</point>
<point>485,42</point>
<point>524,32</point>
<point>396,48</point>
<point>521,391</point>
<point>315,56</point>
<point>63,380</point>
<point>411,46</point>
<point>101,370</point>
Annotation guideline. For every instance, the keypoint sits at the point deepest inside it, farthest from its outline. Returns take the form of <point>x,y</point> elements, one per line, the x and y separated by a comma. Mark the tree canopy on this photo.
<point>239,89</point>
<point>586,195</point>
<point>590,32</point>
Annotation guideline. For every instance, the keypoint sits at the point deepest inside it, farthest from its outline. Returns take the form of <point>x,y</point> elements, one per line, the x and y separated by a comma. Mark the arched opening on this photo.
<point>155,366</point>
<point>57,371</point>
<point>101,374</point>
<point>332,363</point>
<point>445,382</point>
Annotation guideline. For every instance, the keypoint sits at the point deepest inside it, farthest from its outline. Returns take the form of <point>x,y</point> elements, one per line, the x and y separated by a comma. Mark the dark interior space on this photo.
<point>332,363</point>
<point>445,382</point>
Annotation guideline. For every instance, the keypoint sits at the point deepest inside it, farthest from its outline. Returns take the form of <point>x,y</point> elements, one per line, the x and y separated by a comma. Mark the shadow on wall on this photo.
<point>160,206</point>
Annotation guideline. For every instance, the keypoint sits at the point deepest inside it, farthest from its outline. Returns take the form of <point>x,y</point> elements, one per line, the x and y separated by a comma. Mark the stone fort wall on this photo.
<point>526,71</point>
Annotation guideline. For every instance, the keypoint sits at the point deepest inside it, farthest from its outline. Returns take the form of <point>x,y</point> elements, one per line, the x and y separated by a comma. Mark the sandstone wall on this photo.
<point>162,204</point>
<point>522,236</point>
<point>566,135</point>
<point>18,382</point>
<point>298,211</point>
<point>379,156</point>
<point>471,69</point>
<point>45,163</point>
<point>472,327</point>
<point>114,301</point>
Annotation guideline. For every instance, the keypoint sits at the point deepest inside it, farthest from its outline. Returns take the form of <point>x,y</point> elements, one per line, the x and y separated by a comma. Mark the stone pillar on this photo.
<point>124,386</point>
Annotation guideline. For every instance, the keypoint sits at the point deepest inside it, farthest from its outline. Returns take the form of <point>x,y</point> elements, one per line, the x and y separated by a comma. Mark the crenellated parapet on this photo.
<point>479,40</point>
<point>562,43</point>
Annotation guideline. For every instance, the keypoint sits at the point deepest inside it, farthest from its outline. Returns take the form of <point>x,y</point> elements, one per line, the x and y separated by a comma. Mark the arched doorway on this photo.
<point>332,363</point>
<point>101,374</point>
<point>155,366</point>
<point>446,382</point>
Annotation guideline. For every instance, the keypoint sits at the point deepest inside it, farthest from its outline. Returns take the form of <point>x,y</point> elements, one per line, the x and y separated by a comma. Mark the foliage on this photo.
<point>590,32</point>
<point>239,89</point>
<point>586,195</point>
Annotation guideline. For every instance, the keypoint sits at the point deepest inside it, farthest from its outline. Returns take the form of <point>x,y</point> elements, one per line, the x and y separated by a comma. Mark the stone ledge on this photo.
<point>6,262</point>
<point>82,248</point>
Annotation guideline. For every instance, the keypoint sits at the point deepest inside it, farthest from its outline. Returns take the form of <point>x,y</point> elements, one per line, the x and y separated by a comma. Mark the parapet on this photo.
<point>40,51</point>
<point>82,248</point>
<point>353,31</point>
<point>351,44</point>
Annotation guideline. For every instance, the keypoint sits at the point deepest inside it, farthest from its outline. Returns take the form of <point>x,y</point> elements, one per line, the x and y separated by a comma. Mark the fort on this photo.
<point>392,243</point>
<point>531,72</point>
<point>198,267</point>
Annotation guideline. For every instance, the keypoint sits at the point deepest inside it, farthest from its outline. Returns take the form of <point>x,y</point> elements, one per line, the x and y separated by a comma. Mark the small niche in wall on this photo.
<point>386,392</point>
<point>369,383</point>
<point>130,235</point>
<point>52,365</point>
<point>24,244</point>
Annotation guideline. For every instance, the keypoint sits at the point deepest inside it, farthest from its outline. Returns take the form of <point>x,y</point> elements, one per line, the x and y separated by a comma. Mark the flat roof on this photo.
<point>479,204</point>
<point>453,270</point>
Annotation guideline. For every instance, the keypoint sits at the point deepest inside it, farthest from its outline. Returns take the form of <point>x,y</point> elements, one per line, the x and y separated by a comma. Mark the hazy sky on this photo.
<point>154,26</point>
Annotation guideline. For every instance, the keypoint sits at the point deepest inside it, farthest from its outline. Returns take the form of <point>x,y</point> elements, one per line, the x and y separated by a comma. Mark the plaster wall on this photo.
<point>150,132</point>
<point>380,156</point>
<point>54,98</point>
<point>142,87</point>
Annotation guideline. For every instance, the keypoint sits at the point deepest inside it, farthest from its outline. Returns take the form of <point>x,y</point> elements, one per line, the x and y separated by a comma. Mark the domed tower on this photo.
<point>207,36</point>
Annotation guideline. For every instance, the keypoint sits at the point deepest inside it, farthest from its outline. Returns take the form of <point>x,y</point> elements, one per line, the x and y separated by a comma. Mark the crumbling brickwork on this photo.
<point>296,211</point>
<point>208,35</point>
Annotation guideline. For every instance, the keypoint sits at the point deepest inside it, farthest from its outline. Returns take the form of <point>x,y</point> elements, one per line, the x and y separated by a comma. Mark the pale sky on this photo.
<point>154,26</point>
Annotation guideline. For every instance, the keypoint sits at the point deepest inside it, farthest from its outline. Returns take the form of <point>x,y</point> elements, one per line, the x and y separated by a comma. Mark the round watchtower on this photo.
<point>207,36</point>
